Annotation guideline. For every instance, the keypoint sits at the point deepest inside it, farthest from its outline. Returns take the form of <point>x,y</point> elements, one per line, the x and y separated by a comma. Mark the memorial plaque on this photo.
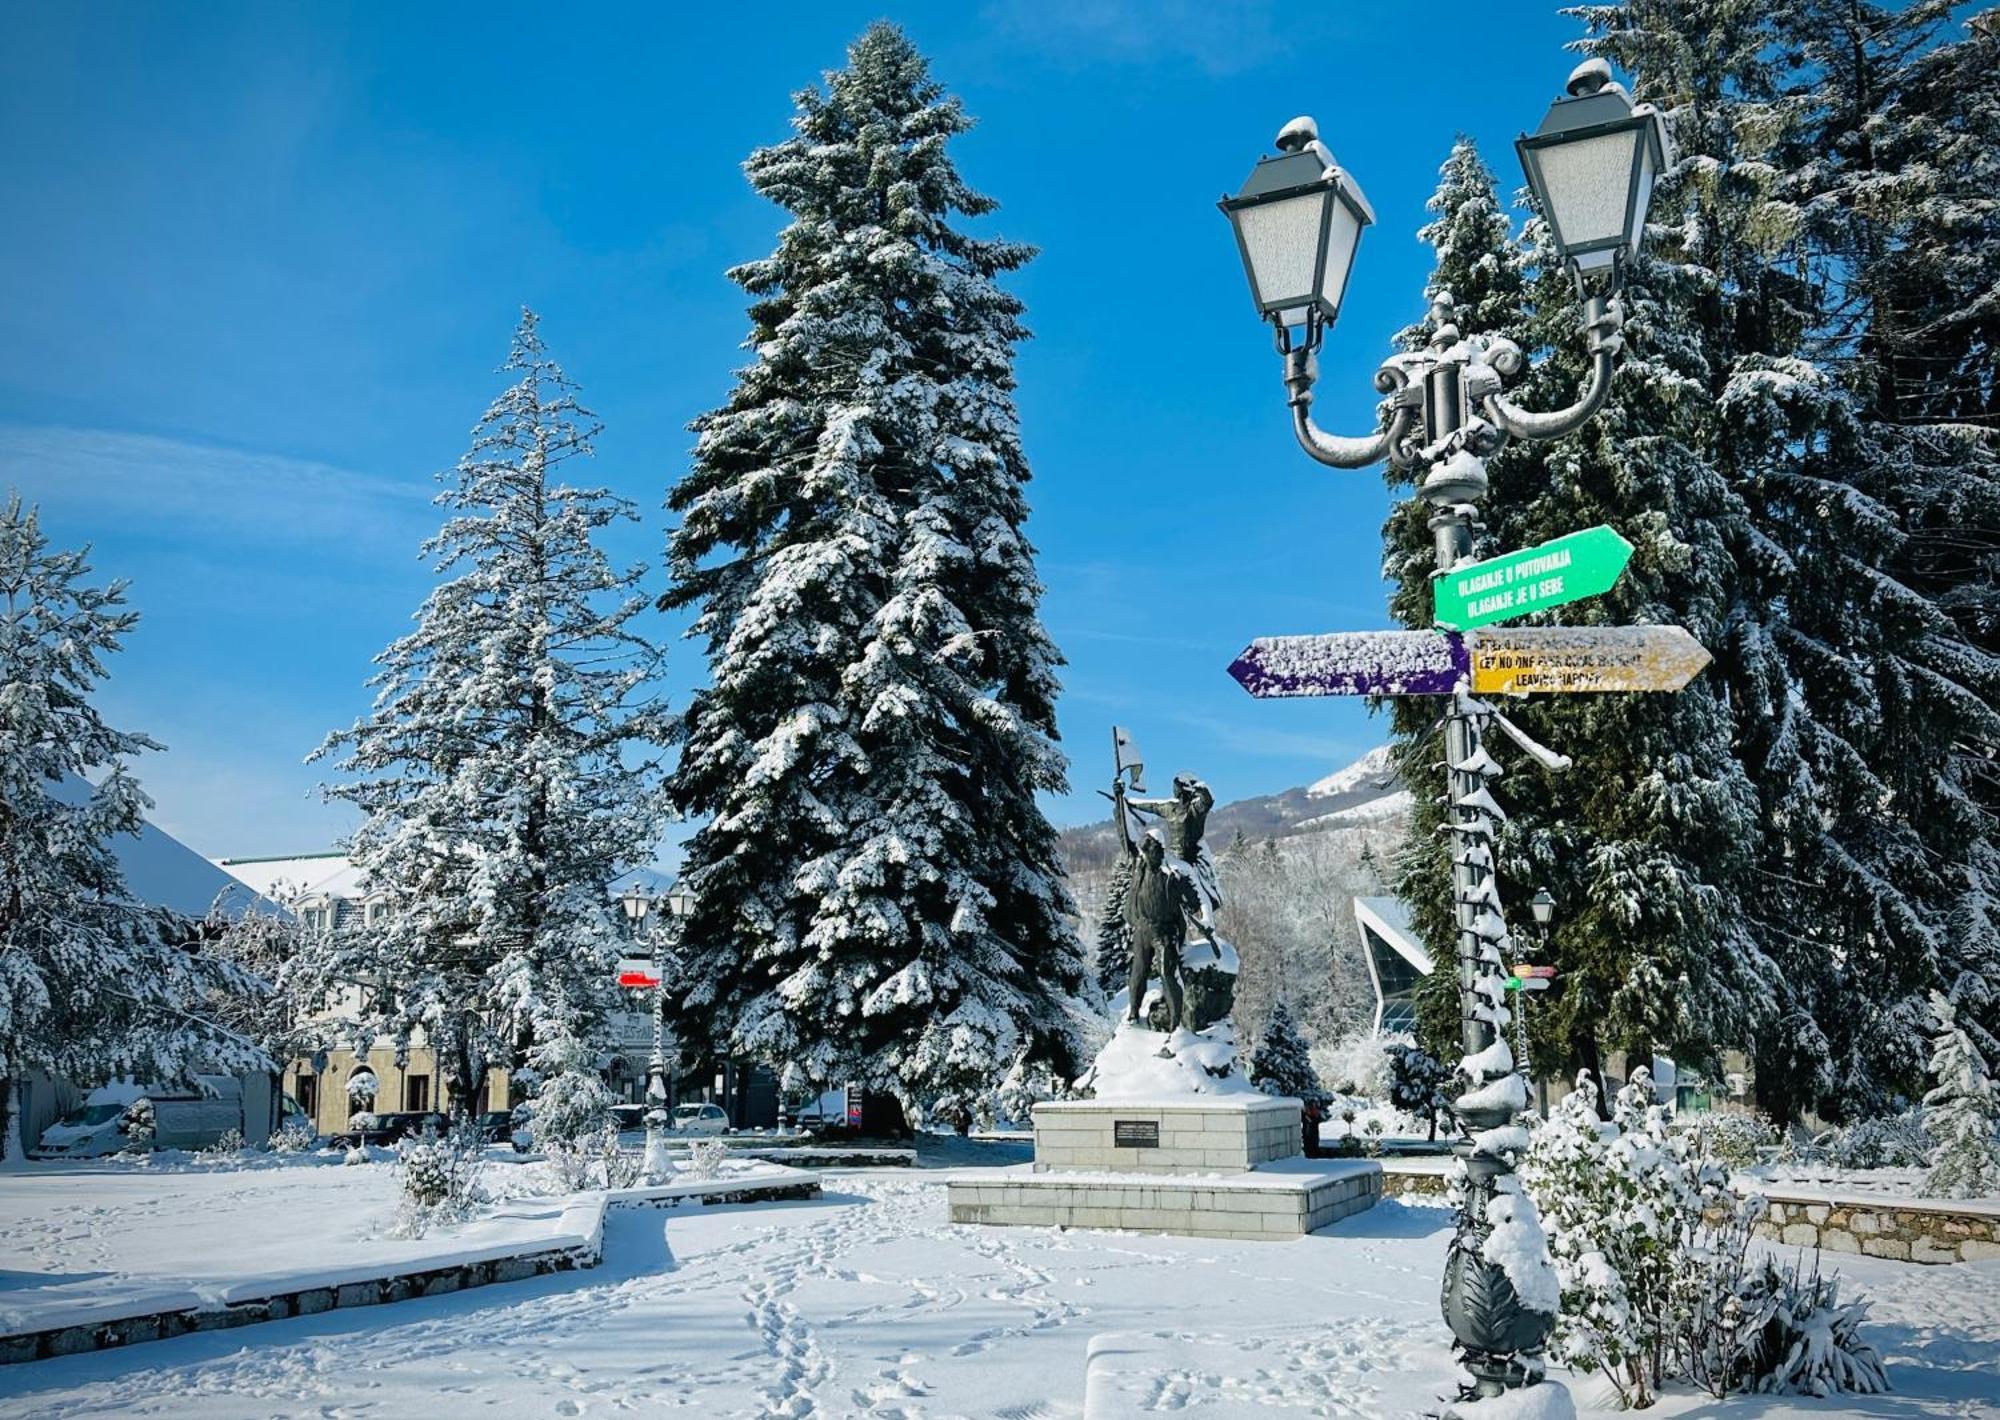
<point>1135,1133</point>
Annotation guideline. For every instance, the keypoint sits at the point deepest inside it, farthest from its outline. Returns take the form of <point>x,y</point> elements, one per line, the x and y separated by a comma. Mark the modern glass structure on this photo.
<point>1396,960</point>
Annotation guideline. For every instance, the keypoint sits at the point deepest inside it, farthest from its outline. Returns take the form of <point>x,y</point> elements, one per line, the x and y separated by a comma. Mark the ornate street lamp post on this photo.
<point>1298,221</point>
<point>638,910</point>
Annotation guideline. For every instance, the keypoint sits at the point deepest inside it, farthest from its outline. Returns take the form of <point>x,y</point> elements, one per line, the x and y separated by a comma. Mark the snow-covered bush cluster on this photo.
<point>593,1160</point>
<point>138,1125</point>
<point>1357,1064</point>
<point>705,1159</point>
<point>1895,1141</point>
<point>293,1138</point>
<point>1730,1138</point>
<point>227,1145</point>
<point>1652,1248</point>
<point>574,1102</point>
<point>440,1179</point>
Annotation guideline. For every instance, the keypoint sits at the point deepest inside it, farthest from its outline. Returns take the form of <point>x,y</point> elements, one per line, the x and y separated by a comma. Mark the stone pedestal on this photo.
<point>1228,1134</point>
<point>1286,1199</point>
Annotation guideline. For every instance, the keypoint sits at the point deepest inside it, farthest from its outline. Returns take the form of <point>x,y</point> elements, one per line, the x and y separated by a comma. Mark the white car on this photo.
<point>700,1119</point>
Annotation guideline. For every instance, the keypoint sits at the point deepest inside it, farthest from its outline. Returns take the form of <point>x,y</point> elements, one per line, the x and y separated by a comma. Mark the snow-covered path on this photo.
<point>867,1302</point>
<point>864,1302</point>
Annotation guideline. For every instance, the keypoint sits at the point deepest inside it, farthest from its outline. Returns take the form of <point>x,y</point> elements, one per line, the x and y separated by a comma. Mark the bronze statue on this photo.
<point>1184,818</point>
<point>1157,905</point>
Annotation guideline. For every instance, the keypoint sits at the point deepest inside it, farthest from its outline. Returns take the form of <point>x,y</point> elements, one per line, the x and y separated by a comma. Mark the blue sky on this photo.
<point>260,263</point>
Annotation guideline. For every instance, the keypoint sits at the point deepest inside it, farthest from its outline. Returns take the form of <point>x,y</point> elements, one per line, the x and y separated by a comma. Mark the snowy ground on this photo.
<point>83,1242</point>
<point>867,1302</point>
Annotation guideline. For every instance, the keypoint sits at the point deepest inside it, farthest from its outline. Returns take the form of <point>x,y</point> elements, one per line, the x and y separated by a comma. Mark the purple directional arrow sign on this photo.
<point>1353,663</point>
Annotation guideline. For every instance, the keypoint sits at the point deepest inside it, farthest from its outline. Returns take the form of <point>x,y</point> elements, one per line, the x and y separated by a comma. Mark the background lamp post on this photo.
<point>1297,220</point>
<point>638,910</point>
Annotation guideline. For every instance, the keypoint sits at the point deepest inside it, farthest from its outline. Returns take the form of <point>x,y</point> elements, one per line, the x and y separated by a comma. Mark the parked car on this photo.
<point>821,1112</point>
<point>383,1130</point>
<point>627,1117</point>
<point>500,1126</point>
<point>700,1119</point>
<point>184,1117</point>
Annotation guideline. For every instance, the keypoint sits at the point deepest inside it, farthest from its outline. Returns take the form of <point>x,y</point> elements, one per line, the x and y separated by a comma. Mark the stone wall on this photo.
<point>307,1301</point>
<point>1424,1185</point>
<point>1908,1230</point>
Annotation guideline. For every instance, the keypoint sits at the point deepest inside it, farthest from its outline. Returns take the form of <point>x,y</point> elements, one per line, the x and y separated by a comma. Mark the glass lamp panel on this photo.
<point>1643,198</point>
<point>1342,238</point>
<point>1587,183</point>
<point>1281,243</point>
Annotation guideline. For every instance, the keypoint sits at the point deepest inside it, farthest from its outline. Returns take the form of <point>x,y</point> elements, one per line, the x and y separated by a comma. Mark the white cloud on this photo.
<point>200,492</point>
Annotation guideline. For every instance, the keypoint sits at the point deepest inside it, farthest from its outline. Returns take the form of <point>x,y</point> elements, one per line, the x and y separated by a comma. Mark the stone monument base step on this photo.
<point>1285,1199</point>
<point>1185,1134</point>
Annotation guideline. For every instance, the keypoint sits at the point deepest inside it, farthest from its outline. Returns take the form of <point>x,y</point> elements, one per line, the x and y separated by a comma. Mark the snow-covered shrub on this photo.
<point>1730,1138</point>
<point>1964,1113</point>
<point>356,1154</point>
<point>293,1138</point>
<point>1623,1206</point>
<point>594,1161</point>
<point>228,1144</point>
<point>1418,1083</point>
<point>573,1103</point>
<point>1282,1065</point>
<point>363,1119</point>
<point>705,1158</point>
<point>1894,1141</point>
<point>138,1126</point>
<point>1806,1342</point>
<point>1357,1064</point>
<point>440,1179</point>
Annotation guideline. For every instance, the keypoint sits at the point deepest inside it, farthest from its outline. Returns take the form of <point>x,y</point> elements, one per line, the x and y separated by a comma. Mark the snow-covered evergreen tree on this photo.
<point>505,771</point>
<point>1903,135</point>
<point>92,984</point>
<point>1282,1064</point>
<point>1963,1113</point>
<point>1114,933</point>
<point>1857,690</point>
<point>878,898</point>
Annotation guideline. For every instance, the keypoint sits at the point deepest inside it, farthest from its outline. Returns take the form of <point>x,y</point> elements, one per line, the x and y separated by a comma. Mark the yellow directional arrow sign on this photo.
<point>1542,660</point>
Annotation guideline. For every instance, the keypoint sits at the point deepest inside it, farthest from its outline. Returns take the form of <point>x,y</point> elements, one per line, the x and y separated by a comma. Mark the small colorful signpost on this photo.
<point>1566,569</point>
<point>1525,661</point>
<point>1531,978</point>
<point>1570,660</point>
<point>637,974</point>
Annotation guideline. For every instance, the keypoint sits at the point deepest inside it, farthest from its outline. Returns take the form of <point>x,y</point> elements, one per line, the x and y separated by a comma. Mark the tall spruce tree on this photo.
<point>92,983</point>
<point>504,773</point>
<point>878,899</point>
<point>1479,271</point>
<point>1902,228</point>
<point>1857,693</point>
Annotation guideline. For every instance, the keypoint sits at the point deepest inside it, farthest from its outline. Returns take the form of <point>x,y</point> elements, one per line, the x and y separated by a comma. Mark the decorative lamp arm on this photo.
<point>1603,319</point>
<point>1339,451</point>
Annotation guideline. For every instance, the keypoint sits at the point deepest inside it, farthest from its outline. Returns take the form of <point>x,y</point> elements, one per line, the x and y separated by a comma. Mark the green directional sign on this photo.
<point>1583,564</point>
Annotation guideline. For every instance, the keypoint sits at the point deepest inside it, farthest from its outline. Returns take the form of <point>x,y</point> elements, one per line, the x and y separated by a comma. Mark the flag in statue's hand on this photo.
<point>1126,755</point>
